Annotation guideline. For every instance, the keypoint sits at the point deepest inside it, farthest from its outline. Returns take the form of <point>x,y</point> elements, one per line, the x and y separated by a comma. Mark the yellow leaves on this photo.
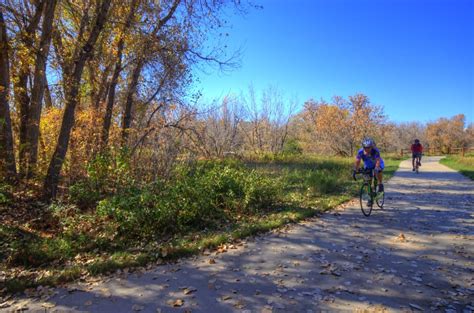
<point>401,237</point>
<point>175,303</point>
<point>188,290</point>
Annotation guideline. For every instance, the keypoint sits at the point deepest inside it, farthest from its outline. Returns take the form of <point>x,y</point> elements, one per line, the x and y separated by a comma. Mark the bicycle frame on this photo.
<point>370,179</point>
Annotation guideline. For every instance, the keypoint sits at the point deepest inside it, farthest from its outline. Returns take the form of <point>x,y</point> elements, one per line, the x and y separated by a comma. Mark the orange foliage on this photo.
<point>84,143</point>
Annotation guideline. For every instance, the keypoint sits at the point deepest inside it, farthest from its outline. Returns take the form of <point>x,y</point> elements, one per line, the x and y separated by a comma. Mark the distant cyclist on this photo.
<point>416,152</point>
<point>372,160</point>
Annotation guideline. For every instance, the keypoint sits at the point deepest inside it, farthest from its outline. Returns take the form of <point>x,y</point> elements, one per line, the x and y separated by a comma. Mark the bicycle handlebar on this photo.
<point>361,171</point>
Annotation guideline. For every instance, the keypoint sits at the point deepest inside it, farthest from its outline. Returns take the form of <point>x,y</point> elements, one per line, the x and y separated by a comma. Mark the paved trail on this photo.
<point>415,255</point>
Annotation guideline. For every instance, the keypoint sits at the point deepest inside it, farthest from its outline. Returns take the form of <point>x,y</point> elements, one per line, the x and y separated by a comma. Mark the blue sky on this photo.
<point>413,57</point>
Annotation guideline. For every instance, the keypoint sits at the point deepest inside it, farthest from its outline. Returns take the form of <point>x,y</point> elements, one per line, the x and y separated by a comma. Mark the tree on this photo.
<point>7,155</point>
<point>366,120</point>
<point>446,134</point>
<point>219,130</point>
<point>330,127</point>
<point>72,71</point>
<point>39,84</point>
<point>267,125</point>
<point>115,76</point>
<point>340,126</point>
<point>24,48</point>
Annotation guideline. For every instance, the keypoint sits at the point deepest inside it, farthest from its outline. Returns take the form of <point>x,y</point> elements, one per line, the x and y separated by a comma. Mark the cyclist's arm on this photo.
<point>378,159</point>
<point>356,164</point>
<point>378,162</point>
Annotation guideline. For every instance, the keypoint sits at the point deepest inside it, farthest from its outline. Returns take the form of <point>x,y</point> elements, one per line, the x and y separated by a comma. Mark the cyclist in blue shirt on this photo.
<point>372,160</point>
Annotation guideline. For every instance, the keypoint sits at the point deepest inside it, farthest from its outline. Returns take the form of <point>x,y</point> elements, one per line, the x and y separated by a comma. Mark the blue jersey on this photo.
<point>371,158</point>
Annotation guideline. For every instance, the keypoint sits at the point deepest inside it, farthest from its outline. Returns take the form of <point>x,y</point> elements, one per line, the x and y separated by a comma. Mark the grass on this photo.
<point>465,165</point>
<point>87,244</point>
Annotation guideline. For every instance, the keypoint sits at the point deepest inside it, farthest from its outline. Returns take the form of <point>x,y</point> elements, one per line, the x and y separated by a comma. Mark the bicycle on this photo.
<point>368,191</point>
<point>417,164</point>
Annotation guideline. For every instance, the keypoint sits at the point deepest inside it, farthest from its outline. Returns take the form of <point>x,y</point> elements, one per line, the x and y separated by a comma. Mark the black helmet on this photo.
<point>368,142</point>
<point>417,141</point>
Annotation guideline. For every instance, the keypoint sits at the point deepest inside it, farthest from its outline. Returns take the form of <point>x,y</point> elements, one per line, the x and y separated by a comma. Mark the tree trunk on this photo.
<point>20,86</point>
<point>132,89</point>
<point>38,88</point>
<point>71,83</point>
<point>115,76</point>
<point>23,104</point>
<point>7,155</point>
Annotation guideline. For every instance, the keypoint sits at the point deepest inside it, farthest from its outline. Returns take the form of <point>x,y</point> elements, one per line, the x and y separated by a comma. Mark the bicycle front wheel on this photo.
<point>366,201</point>
<point>380,199</point>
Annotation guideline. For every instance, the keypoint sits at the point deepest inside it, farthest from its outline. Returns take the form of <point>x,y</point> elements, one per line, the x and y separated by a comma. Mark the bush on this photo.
<point>106,174</point>
<point>84,194</point>
<point>292,147</point>
<point>199,196</point>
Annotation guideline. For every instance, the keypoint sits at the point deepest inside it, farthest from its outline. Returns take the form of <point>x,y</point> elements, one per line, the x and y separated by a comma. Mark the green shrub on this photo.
<point>197,197</point>
<point>106,173</point>
<point>292,147</point>
<point>84,193</point>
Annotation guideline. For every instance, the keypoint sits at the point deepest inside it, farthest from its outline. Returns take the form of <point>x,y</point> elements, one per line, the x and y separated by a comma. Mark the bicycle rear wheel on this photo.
<point>366,201</point>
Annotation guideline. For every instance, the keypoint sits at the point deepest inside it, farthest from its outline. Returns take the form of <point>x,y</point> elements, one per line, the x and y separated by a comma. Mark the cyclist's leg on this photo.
<point>379,175</point>
<point>413,159</point>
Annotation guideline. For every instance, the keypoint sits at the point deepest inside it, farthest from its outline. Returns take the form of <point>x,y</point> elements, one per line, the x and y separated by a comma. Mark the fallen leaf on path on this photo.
<point>417,307</point>
<point>212,261</point>
<point>401,237</point>
<point>6,304</point>
<point>175,303</point>
<point>137,307</point>
<point>48,305</point>
<point>188,290</point>
<point>267,309</point>
<point>21,307</point>
<point>239,304</point>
